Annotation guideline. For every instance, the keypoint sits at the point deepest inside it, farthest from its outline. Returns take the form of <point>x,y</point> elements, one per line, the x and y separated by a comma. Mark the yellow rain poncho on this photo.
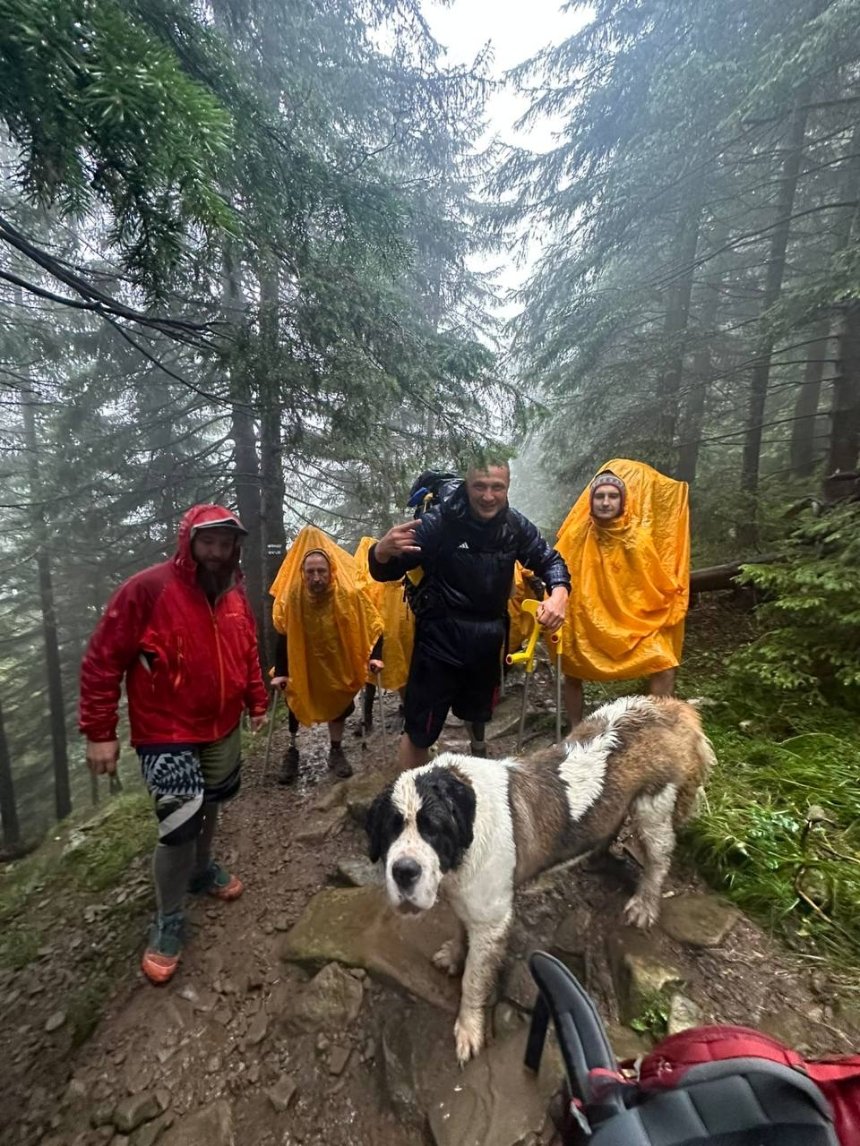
<point>328,641</point>
<point>398,621</point>
<point>630,579</point>
<point>519,623</point>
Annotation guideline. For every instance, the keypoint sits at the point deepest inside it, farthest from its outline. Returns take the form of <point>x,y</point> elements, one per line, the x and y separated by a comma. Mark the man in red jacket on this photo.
<point>183,636</point>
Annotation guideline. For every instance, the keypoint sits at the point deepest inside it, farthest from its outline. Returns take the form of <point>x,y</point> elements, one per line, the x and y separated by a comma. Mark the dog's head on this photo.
<point>420,827</point>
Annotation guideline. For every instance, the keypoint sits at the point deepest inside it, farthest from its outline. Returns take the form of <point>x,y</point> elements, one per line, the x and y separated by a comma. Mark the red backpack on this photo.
<point>838,1078</point>
<point>709,1086</point>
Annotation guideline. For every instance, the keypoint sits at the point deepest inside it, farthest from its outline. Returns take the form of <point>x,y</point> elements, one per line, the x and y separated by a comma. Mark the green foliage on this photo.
<point>653,1017</point>
<point>19,946</point>
<point>97,857</point>
<point>810,614</point>
<point>780,832</point>
<point>57,880</point>
<point>104,112</point>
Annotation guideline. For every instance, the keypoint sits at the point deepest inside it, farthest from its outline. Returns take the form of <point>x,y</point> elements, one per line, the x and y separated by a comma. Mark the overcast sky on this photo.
<point>515,30</point>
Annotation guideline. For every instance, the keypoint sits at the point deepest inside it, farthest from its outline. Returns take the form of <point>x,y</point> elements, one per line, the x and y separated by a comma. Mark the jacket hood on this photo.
<point>203,517</point>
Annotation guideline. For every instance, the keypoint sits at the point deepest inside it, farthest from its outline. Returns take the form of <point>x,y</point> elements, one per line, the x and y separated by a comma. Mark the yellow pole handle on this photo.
<point>526,656</point>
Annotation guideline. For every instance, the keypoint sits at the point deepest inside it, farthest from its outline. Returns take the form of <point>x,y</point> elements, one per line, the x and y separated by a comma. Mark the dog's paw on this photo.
<point>641,912</point>
<point>449,958</point>
<point>468,1035</point>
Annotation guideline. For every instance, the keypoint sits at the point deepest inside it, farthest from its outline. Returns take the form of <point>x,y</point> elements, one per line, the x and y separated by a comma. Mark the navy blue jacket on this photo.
<point>468,564</point>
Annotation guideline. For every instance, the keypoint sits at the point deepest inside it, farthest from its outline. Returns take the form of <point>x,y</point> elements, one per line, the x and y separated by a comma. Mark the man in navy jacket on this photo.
<point>467,547</point>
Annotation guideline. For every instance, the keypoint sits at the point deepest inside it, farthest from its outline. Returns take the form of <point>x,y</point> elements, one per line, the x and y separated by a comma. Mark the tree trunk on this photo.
<point>751,463</point>
<point>701,375</point>
<point>246,466</point>
<point>806,407</point>
<point>677,318</point>
<point>62,791</point>
<point>802,455</point>
<point>8,807</point>
<point>717,577</point>
<point>844,453</point>
<point>274,539</point>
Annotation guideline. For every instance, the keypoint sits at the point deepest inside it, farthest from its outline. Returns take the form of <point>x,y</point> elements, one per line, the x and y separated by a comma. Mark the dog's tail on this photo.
<point>705,758</point>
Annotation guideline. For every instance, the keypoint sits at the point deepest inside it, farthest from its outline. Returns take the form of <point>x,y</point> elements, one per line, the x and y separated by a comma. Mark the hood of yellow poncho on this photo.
<point>630,578</point>
<point>329,640</point>
<point>398,621</point>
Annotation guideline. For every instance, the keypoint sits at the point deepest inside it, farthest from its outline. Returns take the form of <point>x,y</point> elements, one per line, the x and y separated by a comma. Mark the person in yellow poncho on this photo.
<point>525,586</point>
<point>626,542</point>
<point>398,630</point>
<point>331,638</point>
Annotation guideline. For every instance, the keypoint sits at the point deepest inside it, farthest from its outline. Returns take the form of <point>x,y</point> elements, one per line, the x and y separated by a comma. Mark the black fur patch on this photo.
<point>383,825</point>
<point>446,817</point>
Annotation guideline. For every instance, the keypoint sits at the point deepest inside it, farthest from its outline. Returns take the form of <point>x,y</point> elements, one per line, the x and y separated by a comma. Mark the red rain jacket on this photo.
<point>190,668</point>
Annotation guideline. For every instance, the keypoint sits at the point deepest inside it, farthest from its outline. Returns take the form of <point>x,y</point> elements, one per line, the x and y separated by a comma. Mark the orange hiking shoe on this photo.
<point>217,882</point>
<point>161,958</point>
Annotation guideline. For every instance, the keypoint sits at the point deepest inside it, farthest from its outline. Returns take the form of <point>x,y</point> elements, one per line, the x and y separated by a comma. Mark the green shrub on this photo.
<point>810,646</point>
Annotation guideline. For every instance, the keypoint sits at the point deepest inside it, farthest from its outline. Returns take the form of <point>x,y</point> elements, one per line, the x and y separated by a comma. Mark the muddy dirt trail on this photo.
<point>246,1047</point>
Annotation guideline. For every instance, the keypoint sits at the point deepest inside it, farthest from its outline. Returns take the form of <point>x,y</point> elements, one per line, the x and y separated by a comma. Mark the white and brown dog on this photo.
<point>474,829</point>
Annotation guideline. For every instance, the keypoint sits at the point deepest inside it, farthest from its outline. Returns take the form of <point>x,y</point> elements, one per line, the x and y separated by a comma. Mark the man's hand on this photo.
<point>552,610</point>
<point>257,722</point>
<point>375,665</point>
<point>399,541</point>
<point>279,682</point>
<point>102,757</point>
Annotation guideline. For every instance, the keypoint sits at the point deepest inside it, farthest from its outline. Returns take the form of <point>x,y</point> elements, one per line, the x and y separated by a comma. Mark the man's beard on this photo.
<point>214,582</point>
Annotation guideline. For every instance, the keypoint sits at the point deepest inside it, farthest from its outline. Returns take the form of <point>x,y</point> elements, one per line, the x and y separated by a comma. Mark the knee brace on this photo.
<point>179,818</point>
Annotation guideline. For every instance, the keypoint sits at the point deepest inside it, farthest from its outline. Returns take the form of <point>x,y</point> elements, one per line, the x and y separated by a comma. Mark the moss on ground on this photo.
<point>97,858</point>
<point>43,890</point>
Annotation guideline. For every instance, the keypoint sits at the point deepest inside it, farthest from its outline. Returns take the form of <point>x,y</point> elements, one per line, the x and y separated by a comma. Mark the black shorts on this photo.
<point>434,687</point>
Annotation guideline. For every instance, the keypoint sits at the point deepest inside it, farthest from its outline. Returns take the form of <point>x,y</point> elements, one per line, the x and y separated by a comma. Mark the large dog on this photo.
<point>474,829</point>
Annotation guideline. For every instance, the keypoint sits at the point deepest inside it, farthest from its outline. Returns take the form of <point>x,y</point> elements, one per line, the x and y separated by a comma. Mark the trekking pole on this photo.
<point>381,711</point>
<point>269,735</point>
<point>526,658</point>
<point>555,641</point>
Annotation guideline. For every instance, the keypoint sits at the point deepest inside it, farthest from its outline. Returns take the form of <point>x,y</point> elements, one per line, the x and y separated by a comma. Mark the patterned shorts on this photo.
<point>181,779</point>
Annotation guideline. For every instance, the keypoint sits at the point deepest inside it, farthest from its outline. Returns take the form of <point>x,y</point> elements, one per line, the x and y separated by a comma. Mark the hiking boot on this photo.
<point>161,958</point>
<point>217,882</point>
<point>289,772</point>
<point>479,750</point>
<point>338,762</point>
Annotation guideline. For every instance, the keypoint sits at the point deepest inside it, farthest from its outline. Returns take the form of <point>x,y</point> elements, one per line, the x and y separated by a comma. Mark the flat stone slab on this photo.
<point>417,1057</point>
<point>698,919</point>
<point>211,1126</point>
<point>330,1002</point>
<point>495,1101</point>
<point>321,826</point>
<point>361,791</point>
<point>640,972</point>
<point>358,871</point>
<point>626,1043</point>
<point>684,1013</point>
<point>356,927</point>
